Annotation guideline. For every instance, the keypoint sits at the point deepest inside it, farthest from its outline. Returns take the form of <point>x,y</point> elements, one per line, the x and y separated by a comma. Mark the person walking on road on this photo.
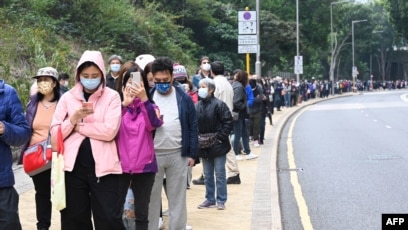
<point>14,131</point>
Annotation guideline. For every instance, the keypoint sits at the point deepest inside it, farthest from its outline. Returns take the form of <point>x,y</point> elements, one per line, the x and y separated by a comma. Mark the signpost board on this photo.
<point>298,65</point>
<point>243,49</point>
<point>247,38</point>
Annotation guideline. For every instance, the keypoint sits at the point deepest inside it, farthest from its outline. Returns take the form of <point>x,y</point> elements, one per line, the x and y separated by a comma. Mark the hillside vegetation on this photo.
<point>38,33</point>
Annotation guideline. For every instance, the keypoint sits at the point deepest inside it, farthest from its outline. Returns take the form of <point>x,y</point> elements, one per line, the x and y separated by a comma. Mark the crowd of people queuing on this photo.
<point>149,123</point>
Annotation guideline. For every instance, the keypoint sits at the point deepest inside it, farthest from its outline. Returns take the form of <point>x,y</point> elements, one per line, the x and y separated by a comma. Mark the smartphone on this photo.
<point>136,78</point>
<point>88,106</point>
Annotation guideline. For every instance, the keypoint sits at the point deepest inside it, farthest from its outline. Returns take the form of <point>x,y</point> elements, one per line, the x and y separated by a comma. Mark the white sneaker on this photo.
<point>161,223</point>
<point>251,156</point>
<point>256,144</point>
<point>238,158</point>
<point>188,227</point>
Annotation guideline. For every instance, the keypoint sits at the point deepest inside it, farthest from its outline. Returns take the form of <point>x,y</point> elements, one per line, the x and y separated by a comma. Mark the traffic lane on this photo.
<point>352,171</point>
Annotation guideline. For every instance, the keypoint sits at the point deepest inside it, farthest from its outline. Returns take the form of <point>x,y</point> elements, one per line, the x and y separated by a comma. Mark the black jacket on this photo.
<point>239,99</point>
<point>214,116</point>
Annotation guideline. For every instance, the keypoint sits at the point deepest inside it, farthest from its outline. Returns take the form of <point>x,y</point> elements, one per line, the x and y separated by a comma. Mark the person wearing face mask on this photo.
<point>40,110</point>
<point>204,72</point>
<point>175,142</point>
<point>214,120</point>
<point>89,116</point>
<point>114,62</point>
<point>63,80</point>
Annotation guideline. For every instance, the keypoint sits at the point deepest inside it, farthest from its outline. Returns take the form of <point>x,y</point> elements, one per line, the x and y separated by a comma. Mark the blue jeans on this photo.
<point>215,165</point>
<point>240,131</point>
<point>287,100</point>
<point>262,128</point>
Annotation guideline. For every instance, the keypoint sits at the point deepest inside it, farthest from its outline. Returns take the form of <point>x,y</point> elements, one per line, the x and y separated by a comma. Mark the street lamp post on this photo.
<point>331,41</point>
<point>353,72</point>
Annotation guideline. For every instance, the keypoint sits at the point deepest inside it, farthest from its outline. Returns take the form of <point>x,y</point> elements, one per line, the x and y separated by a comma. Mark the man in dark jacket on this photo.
<point>14,131</point>
<point>176,145</point>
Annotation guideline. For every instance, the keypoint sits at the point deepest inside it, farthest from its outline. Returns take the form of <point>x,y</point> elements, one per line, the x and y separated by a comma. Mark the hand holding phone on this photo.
<point>136,78</point>
<point>88,106</point>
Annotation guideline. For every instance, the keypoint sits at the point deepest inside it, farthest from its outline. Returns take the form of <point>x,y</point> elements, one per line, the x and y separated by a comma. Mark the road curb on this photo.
<point>266,198</point>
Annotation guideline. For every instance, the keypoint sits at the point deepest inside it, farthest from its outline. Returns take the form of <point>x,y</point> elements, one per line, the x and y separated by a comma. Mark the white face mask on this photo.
<point>206,67</point>
<point>66,83</point>
<point>203,92</point>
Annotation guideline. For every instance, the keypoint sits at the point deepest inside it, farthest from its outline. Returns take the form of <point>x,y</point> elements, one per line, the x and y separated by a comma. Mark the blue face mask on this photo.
<point>115,67</point>
<point>90,84</point>
<point>163,87</point>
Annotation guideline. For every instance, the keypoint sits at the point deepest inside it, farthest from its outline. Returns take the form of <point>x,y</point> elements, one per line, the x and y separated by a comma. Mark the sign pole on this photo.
<point>248,67</point>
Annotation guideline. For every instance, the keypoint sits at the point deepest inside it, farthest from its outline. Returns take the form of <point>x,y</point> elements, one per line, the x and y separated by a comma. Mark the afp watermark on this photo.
<point>394,221</point>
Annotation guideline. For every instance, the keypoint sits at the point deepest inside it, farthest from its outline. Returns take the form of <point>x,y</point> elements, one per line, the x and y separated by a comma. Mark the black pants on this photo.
<point>43,206</point>
<point>86,194</point>
<point>141,185</point>
<point>9,219</point>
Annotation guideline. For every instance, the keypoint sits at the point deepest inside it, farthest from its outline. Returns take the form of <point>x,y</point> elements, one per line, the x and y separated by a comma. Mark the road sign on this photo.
<point>247,22</point>
<point>247,16</point>
<point>298,69</point>
<point>298,60</point>
<point>355,71</point>
<point>298,65</point>
<point>247,40</point>
<point>246,27</point>
<point>243,49</point>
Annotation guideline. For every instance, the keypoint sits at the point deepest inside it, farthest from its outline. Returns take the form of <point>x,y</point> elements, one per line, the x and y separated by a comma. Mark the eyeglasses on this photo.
<point>205,62</point>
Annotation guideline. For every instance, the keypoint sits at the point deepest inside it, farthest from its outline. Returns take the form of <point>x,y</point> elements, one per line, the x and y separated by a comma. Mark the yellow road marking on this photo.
<point>297,189</point>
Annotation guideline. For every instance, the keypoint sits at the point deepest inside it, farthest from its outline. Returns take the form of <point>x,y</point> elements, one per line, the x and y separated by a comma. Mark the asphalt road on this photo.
<point>342,163</point>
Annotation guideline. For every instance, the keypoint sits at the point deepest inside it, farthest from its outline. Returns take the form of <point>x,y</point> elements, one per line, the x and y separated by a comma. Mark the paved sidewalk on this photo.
<point>254,204</point>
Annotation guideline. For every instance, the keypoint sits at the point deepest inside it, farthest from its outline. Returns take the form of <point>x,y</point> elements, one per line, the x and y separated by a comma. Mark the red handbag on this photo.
<point>37,157</point>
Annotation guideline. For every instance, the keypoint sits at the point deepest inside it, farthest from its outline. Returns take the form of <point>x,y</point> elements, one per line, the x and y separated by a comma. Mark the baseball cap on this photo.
<point>47,71</point>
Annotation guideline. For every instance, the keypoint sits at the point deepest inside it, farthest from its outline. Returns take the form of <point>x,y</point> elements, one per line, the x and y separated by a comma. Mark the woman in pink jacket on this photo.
<point>140,117</point>
<point>89,116</point>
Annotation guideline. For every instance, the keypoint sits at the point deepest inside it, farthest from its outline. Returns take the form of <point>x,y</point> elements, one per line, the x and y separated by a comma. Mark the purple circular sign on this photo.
<point>247,15</point>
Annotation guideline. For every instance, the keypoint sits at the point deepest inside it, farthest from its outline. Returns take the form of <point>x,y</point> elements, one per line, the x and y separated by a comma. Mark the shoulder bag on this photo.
<point>37,157</point>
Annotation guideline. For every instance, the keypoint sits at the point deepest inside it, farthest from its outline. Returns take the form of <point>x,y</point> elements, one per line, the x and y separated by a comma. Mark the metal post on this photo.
<point>297,35</point>
<point>352,45</point>
<point>258,50</point>
<point>332,43</point>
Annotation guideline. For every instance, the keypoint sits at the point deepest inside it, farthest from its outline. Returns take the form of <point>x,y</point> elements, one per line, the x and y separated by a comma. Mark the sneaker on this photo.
<point>188,227</point>
<point>251,156</point>
<point>256,144</point>
<point>206,204</point>
<point>238,158</point>
<point>161,223</point>
<point>199,181</point>
<point>234,180</point>
<point>220,206</point>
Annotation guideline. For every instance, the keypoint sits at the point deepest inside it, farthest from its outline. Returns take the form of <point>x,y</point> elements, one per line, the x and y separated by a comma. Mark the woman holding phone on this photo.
<point>140,117</point>
<point>89,117</point>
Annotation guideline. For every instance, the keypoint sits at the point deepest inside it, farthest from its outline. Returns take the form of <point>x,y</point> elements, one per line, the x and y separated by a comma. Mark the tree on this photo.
<point>398,13</point>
